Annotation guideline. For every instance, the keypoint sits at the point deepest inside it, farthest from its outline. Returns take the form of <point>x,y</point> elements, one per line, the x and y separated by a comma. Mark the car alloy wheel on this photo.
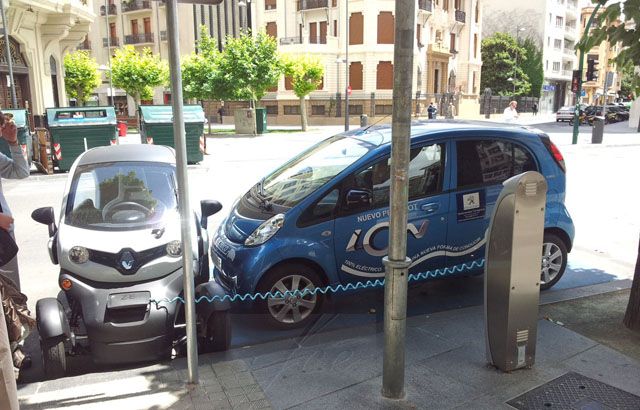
<point>294,301</point>
<point>551,263</point>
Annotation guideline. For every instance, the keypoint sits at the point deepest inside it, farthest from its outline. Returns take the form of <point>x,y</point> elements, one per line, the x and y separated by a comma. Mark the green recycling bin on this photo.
<point>74,130</point>
<point>261,120</point>
<point>24,134</point>
<point>156,127</point>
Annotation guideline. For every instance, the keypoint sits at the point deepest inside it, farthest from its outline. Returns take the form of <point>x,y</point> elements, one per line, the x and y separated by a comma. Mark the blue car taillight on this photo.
<point>554,151</point>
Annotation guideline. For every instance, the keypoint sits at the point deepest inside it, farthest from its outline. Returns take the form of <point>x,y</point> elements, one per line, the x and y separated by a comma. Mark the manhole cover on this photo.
<point>574,391</point>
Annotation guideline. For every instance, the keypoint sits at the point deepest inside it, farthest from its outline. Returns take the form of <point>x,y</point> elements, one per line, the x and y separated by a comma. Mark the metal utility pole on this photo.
<point>346,65</point>
<point>397,264</point>
<point>576,112</point>
<point>7,53</point>
<point>106,19</point>
<point>183,192</point>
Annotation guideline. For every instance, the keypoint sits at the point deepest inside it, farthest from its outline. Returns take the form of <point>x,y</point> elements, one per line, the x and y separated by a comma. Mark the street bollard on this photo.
<point>512,272</point>
<point>598,130</point>
<point>363,120</point>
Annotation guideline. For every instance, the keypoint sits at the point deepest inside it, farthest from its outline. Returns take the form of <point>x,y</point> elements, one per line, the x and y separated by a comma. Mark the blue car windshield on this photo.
<point>121,196</point>
<point>310,170</point>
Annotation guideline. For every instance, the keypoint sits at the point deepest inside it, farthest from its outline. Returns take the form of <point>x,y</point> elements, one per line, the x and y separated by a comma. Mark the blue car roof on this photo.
<point>381,134</point>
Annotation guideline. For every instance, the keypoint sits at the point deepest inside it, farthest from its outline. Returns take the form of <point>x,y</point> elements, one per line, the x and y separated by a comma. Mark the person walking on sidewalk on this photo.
<point>510,113</point>
<point>15,167</point>
<point>431,111</point>
<point>535,109</point>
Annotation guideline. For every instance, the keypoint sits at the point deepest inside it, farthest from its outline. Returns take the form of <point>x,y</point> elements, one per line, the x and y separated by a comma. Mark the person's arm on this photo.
<point>17,166</point>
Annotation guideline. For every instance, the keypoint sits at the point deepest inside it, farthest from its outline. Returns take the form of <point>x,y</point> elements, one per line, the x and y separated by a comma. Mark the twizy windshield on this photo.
<point>307,172</point>
<point>121,196</point>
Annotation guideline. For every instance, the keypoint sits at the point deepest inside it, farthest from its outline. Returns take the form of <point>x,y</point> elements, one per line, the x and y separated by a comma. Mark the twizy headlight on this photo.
<point>265,231</point>
<point>174,248</point>
<point>78,254</point>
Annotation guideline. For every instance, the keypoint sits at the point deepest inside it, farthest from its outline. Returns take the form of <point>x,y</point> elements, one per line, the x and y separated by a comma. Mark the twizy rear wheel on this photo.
<point>54,360</point>
<point>218,336</point>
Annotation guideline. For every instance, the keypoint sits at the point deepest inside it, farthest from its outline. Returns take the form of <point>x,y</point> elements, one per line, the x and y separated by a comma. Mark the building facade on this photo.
<point>554,25</point>
<point>40,33</point>
<point>600,91</point>
<point>445,60</point>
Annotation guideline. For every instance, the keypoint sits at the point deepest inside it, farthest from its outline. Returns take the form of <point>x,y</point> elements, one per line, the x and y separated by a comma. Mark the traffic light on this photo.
<point>575,81</point>
<point>592,70</point>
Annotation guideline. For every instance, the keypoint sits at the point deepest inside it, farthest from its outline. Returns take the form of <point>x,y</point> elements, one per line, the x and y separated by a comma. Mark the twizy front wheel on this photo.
<point>218,335</point>
<point>54,360</point>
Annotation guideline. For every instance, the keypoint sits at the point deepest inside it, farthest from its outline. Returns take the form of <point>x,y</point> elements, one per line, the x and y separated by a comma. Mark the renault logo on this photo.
<point>127,260</point>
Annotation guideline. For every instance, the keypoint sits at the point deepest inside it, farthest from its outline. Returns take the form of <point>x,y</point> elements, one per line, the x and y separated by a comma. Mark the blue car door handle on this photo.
<point>430,208</point>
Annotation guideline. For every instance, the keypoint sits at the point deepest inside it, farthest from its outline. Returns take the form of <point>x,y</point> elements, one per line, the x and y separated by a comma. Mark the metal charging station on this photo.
<point>512,271</point>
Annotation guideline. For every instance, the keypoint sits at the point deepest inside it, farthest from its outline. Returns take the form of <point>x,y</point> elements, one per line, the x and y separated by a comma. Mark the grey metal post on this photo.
<point>7,52</point>
<point>183,192</point>
<point>346,65</point>
<point>106,18</point>
<point>397,263</point>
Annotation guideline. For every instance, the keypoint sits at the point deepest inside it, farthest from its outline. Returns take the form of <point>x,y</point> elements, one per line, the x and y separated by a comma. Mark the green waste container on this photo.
<point>74,130</point>
<point>156,127</point>
<point>24,134</point>
<point>261,120</point>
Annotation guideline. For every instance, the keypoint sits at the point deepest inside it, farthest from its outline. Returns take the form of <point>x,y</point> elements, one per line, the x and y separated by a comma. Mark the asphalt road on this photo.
<point>600,196</point>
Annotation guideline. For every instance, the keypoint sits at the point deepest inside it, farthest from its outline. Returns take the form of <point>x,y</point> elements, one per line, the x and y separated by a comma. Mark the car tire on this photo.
<point>218,333</point>
<point>54,360</point>
<point>291,311</point>
<point>554,260</point>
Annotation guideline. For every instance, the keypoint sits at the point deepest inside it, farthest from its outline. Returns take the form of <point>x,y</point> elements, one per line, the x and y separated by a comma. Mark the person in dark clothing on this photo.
<point>535,108</point>
<point>432,111</point>
<point>221,113</point>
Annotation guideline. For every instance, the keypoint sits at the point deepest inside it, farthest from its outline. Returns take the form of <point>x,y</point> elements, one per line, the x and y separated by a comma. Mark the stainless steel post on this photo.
<point>346,65</point>
<point>7,53</point>
<point>397,263</point>
<point>183,191</point>
<point>106,18</point>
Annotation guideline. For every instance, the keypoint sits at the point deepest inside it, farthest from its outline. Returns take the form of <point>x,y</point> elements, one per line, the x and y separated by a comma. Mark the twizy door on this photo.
<point>362,236</point>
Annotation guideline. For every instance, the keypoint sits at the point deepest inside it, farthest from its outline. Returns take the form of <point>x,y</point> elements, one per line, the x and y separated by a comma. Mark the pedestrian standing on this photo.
<point>510,113</point>
<point>221,113</point>
<point>432,111</point>
<point>15,167</point>
<point>535,109</point>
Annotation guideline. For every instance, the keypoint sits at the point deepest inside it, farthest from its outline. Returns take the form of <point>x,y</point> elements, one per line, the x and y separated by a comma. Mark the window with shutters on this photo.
<point>318,110</point>
<point>355,109</point>
<point>271,109</point>
<point>291,110</point>
<point>356,25</point>
<point>272,29</point>
<point>386,30</point>
<point>287,84</point>
<point>383,109</point>
<point>384,76</point>
<point>270,4</point>
<point>355,75</point>
<point>452,43</point>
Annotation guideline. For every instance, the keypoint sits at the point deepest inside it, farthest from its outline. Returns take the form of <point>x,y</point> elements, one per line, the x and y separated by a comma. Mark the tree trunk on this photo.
<point>632,316</point>
<point>303,114</point>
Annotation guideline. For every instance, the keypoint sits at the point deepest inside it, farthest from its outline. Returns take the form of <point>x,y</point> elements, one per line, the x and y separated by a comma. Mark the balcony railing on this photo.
<point>136,5</point>
<point>567,73</point>
<point>426,5</point>
<point>290,40</point>
<point>569,51</point>
<point>163,35</point>
<point>461,16</point>
<point>85,45</point>
<point>312,4</point>
<point>113,10</point>
<point>318,40</point>
<point>138,38</point>
<point>114,42</point>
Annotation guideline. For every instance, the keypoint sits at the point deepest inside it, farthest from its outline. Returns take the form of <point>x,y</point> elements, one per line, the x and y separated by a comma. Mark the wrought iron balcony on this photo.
<point>136,5</point>
<point>85,45</point>
<point>426,5</point>
<point>139,38</point>
<point>461,16</point>
<point>312,4</point>
<point>114,42</point>
<point>318,40</point>
<point>113,10</point>
<point>290,40</point>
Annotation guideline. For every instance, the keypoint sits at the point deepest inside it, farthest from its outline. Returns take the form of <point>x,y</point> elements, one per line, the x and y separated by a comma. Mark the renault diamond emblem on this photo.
<point>127,260</point>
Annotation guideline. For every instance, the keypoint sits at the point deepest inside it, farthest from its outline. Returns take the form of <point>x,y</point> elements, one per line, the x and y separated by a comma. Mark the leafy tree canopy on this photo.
<point>499,64</point>
<point>306,73</point>
<point>81,76</point>
<point>532,66</point>
<point>137,73</point>
<point>201,75</point>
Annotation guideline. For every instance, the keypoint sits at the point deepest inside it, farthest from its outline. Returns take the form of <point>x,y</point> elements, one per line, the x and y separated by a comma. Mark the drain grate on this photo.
<point>574,391</point>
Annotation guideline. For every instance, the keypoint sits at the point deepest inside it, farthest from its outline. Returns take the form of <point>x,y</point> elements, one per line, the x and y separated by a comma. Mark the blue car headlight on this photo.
<point>265,231</point>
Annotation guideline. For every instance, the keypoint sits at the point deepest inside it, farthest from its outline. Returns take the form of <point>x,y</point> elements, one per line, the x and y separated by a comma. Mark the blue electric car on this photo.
<point>322,218</point>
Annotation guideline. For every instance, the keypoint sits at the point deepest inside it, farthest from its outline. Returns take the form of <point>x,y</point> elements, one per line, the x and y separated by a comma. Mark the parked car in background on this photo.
<point>565,113</point>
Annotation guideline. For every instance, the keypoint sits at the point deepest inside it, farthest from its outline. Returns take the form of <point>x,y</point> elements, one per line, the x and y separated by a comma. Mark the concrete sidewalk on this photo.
<point>445,368</point>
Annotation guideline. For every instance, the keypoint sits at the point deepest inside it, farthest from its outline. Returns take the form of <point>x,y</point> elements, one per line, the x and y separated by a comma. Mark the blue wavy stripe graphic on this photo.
<point>479,263</point>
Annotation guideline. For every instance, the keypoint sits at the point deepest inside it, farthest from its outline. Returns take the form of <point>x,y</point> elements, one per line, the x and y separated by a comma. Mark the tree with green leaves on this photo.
<point>137,73</point>
<point>81,76</point>
<point>499,64</point>
<point>617,24</point>
<point>306,73</point>
<point>251,65</point>
<point>202,78</point>
<point>532,66</point>
<point>627,77</point>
